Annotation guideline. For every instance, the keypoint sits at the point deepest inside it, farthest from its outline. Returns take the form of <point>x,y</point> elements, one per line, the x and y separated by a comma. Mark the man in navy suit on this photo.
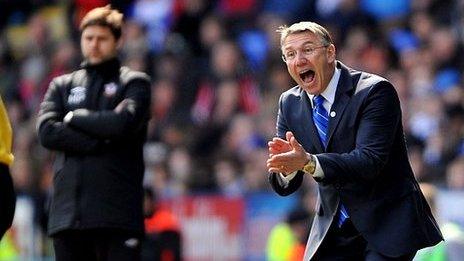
<point>343,128</point>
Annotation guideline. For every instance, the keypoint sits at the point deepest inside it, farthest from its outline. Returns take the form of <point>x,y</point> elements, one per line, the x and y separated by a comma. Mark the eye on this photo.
<point>290,55</point>
<point>308,50</point>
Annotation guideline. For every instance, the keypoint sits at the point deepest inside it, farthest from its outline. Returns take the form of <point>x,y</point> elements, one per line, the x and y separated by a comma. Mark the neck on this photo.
<point>107,67</point>
<point>330,74</point>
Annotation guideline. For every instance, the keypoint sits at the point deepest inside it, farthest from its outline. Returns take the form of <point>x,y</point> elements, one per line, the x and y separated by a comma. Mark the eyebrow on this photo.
<point>303,44</point>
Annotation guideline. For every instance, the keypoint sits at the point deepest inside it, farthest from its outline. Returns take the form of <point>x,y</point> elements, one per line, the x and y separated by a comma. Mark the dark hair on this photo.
<point>104,16</point>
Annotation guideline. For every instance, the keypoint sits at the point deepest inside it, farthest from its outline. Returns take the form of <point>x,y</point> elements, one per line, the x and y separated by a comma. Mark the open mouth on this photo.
<point>307,76</point>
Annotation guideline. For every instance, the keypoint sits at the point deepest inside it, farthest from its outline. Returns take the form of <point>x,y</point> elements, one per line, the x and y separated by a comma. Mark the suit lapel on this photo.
<point>342,98</point>
<point>314,143</point>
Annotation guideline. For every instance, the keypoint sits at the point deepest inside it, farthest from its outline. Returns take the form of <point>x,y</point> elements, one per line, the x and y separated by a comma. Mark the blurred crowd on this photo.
<point>217,75</point>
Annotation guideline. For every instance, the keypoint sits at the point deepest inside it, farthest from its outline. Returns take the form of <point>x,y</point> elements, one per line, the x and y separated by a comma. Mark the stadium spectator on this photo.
<point>288,238</point>
<point>163,240</point>
<point>452,249</point>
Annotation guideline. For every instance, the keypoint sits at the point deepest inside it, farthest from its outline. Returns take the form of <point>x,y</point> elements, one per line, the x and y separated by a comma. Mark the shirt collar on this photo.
<point>329,92</point>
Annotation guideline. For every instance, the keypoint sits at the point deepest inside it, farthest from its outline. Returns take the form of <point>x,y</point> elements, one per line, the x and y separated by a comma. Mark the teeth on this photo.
<point>304,71</point>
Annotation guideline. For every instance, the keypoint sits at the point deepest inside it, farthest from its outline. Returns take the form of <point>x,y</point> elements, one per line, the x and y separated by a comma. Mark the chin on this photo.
<point>306,87</point>
<point>95,61</point>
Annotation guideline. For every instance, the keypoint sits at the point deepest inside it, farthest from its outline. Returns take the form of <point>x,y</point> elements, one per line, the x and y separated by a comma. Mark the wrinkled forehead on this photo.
<point>301,38</point>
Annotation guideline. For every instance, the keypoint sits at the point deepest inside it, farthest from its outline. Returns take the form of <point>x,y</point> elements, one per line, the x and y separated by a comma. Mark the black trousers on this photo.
<point>96,245</point>
<point>7,199</point>
<point>347,244</point>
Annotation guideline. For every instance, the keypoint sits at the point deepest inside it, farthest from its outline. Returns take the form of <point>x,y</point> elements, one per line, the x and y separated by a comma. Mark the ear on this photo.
<point>331,53</point>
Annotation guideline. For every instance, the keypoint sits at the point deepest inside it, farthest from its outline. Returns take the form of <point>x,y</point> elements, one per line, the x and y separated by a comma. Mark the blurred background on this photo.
<point>216,79</point>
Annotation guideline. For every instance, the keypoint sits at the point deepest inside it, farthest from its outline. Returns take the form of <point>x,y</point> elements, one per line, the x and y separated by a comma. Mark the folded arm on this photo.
<point>126,118</point>
<point>53,133</point>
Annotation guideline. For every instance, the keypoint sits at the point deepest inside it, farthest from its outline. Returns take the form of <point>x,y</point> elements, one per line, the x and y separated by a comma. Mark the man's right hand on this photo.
<point>286,156</point>
<point>278,145</point>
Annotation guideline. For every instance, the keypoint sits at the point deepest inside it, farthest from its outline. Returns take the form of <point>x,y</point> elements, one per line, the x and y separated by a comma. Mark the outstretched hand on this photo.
<point>286,156</point>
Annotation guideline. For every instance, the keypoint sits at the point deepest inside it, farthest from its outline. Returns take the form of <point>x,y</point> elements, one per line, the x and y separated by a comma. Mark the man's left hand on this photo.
<point>286,156</point>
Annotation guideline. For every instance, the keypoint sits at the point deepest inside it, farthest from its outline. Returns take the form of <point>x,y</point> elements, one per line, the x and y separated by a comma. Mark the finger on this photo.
<point>280,148</point>
<point>274,151</point>
<point>277,139</point>
<point>270,145</point>
<point>280,167</point>
<point>270,163</point>
<point>279,142</point>
<point>295,144</point>
<point>281,158</point>
<point>277,167</point>
<point>288,135</point>
<point>274,144</point>
<point>273,170</point>
<point>276,161</point>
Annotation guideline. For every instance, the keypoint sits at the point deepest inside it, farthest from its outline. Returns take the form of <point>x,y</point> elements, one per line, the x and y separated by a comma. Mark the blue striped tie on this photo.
<point>321,120</point>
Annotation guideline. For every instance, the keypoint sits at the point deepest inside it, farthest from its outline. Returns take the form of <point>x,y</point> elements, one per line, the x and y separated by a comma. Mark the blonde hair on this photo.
<point>104,16</point>
<point>312,27</point>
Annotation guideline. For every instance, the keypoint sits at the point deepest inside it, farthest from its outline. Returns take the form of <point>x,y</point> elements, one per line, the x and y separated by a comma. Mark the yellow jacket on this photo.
<point>6,136</point>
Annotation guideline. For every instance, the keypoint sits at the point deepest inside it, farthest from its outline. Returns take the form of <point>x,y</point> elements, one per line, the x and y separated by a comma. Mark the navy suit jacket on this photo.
<point>365,165</point>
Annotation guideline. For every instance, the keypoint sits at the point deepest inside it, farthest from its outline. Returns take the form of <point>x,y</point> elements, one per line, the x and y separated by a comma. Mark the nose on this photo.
<point>301,58</point>
<point>93,43</point>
